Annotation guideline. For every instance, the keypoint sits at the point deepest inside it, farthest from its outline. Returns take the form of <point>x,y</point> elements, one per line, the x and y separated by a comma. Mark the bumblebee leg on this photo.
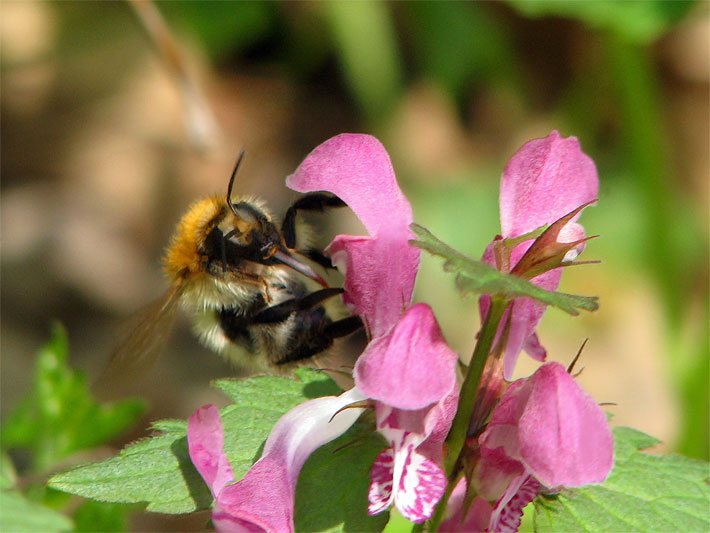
<point>317,201</point>
<point>343,327</point>
<point>318,257</point>
<point>316,344</point>
<point>280,312</point>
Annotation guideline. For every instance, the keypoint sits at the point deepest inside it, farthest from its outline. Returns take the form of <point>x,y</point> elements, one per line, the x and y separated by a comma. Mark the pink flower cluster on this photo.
<point>545,432</point>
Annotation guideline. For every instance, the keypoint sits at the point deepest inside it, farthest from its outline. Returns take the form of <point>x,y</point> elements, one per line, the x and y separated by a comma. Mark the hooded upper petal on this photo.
<point>379,277</point>
<point>564,436</point>
<point>548,423</point>
<point>357,169</point>
<point>380,270</point>
<point>264,498</point>
<point>544,180</point>
<point>411,367</point>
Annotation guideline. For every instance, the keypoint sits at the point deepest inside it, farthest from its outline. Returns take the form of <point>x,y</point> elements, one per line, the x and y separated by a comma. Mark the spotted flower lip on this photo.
<point>545,180</point>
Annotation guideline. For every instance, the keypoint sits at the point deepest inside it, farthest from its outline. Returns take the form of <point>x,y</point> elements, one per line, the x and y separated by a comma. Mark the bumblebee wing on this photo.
<point>140,350</point>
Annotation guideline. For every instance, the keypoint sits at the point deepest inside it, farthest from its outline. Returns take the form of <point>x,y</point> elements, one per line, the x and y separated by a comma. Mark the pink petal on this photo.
<point>543,181</point>
<point>262,501</point>
<point>411,367</point>
<point>494,472</point>
<point>437,425</point>
<point>509,510</point>
<point>357,169</point>
<point>205,441</point>
<point>379,272</point>
<point>564,436</point>
<point>534,349</point>
<point>379,276</point>
<point>264,498</point>
<point>477,517</point>
<point>526,314</point>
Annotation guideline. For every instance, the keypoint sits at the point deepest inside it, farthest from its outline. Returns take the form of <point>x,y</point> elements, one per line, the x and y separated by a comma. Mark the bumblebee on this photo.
<point>241,278</point>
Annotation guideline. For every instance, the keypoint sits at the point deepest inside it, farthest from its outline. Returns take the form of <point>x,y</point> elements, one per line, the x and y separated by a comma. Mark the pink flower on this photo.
<point>545,180</point>
<point>545,432</point>
<point>475,519</point>
<point>263,499</point>
<point>407,366</point>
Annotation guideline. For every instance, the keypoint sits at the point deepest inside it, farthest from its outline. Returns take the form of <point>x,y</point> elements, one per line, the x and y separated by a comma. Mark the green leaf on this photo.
<point>397,523</point>
<point>158,471</point>
<point>643,493</point>
<point>60,416</point>
<point>638,21</point>
<point>18,514</point>
<point>99,516</point>
<point>332,488</point>
<point>476,277</point>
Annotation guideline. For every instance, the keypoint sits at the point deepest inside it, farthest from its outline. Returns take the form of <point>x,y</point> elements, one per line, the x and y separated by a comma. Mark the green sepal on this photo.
<point>477,277</point>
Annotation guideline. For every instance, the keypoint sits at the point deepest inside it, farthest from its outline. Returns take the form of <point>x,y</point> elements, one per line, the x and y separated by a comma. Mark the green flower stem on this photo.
<point>438,515</point>
<point>467,398</point>
<point>469,389</point>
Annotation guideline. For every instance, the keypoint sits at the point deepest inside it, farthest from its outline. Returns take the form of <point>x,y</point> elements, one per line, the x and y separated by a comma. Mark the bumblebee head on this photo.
<point>219,236</point>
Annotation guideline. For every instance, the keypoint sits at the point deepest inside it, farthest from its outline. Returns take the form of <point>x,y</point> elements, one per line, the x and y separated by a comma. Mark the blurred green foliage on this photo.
<point>636,21</point>
<point>58,418</point>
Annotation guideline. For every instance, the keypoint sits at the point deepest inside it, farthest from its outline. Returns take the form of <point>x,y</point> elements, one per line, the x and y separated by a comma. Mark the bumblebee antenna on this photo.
<point>240,157</point>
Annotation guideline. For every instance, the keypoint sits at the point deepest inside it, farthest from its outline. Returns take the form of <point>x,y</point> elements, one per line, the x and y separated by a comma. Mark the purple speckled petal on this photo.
<point>508,511</point>
<point>420,488</point>
<point>381,480</point>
